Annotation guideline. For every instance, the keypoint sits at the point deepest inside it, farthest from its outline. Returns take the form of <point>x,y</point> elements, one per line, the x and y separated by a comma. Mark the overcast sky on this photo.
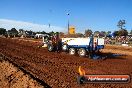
<point>98,15</point>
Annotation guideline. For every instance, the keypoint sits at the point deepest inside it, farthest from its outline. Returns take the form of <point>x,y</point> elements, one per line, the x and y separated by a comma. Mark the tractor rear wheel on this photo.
<point>50,47</point>
<point>82,52</point>
<point>72,51</point>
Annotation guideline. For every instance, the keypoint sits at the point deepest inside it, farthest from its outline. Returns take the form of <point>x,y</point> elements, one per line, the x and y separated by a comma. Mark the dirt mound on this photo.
<point>60,69</point>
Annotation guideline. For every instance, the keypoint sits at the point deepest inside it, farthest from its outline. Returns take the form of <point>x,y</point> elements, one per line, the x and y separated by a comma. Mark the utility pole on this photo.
<point>68,22</point>
<point>50,13</point>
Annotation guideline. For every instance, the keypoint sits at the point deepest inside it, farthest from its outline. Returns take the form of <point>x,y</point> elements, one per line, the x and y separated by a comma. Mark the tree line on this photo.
<point>122,31</point>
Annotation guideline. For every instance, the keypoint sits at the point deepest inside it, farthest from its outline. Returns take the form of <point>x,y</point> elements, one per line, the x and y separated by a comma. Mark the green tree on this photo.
<point>21,32</point>
<point>43,32</point>
<point>79,35</point>
<point>121,24</point>
<point>116,33</point>
<point>88,32</point>
<point>96,33</point>
<point>51,33</point>
<point>13,32</point>
<point>61,34</point>
<point>122,32</point>
<point>2,31</point>
<point>131,31</point>
<point>108,32</point>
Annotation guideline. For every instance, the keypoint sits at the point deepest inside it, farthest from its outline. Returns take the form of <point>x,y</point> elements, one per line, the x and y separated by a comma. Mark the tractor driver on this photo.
<point>56,41</point>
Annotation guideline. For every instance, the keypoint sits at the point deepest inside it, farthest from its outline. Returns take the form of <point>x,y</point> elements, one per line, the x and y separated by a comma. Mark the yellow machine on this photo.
<point>71,30</point>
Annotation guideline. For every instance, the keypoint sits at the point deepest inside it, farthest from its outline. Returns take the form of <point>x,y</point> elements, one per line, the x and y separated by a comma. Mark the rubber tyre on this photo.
<point>72,51</point>
<point>50,47</point>
<point>82,52</point>
<point>64,47</point>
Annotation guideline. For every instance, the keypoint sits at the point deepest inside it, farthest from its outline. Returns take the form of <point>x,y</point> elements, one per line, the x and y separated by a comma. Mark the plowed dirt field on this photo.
<point>60,70</point>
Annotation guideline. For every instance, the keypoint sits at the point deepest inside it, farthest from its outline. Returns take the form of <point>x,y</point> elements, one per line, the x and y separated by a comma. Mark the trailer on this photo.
<point>89,46</point>
<point>83,46</point>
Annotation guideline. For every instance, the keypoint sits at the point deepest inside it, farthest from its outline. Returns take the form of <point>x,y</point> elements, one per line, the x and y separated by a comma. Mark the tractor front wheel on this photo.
<point>82,52</point>
<point>72,51</point>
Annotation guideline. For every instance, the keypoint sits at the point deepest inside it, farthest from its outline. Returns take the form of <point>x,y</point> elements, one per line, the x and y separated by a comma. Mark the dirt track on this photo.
<point>59,70</point>
<point>13,77</point>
